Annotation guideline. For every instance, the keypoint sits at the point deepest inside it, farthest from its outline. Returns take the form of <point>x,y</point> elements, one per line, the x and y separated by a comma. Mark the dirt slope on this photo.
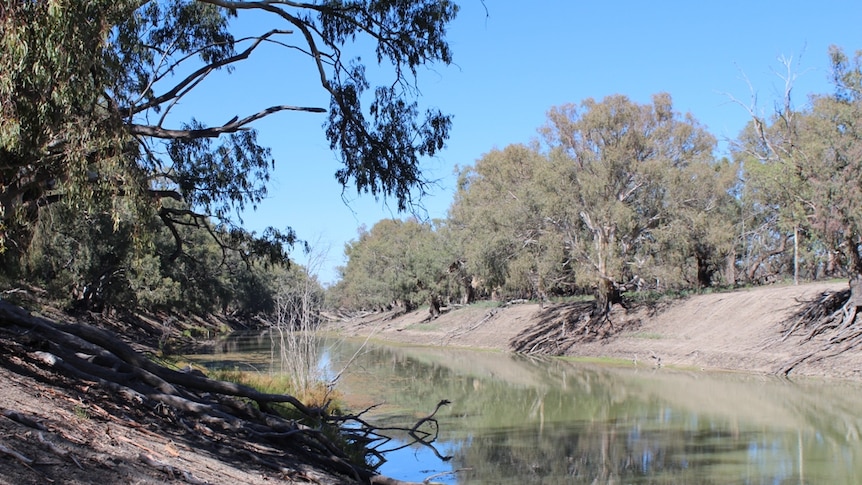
<point>737,330</point>
<point>55,429</point>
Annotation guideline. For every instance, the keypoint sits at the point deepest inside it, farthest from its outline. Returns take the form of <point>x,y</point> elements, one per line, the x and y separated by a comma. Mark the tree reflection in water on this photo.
<point>523,420</point>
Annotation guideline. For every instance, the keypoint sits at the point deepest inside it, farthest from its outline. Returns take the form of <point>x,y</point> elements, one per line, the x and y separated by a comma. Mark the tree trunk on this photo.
<point>795,254</point>
<point>704,272</point>
<point>855,257</point>
<point>469,295</point>
<point>434,306</point>
<point>607,294</point>
<point>831,263</point>
<point>855,300</point>
<point>730,269</point>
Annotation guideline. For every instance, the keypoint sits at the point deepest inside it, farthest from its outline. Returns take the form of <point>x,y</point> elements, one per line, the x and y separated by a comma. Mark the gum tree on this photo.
<point>87,90</point>
<point>499,222</point>
<point>612,158</point>
<point>402,263</point>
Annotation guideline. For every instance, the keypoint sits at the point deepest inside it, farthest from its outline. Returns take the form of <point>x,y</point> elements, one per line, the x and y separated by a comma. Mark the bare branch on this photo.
<point>231,127</point>
<point>269,6</point>
<point>194,77</point>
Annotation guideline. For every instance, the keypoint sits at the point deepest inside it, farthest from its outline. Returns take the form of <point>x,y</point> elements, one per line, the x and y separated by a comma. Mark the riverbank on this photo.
<point>56,429</point>
<point>64,420</point>
<point>730,331</point>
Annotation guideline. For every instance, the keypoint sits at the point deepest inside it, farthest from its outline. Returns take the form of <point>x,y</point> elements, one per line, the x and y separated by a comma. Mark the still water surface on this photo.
<point>515,419</point>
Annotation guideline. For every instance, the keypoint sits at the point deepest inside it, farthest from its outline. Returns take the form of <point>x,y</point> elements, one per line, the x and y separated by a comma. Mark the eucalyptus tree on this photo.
<point>612,158</point>
<point>397,262</point>
<point>361,283</point>
<point>697,242</point>
<point>89,88</point>
<point>499,223</point>
<point>776,190</point>
<point>833,169</point>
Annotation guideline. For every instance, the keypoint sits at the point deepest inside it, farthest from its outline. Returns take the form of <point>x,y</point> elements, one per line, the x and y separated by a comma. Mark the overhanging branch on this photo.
<point>216,131</point>
<point>195,77</point>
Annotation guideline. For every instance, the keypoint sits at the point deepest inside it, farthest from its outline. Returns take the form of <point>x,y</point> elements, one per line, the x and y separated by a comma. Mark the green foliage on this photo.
<point>397,262</point>
<point>627,193</point>
<point>499,221</point>
<point>86,261</point>
<point>832,169</point>
<point>56,137</point>
<point>695,245</point>
<point>93,264</point>
<point>615,163</point>
<point>102,194</point>
<point>630,196</point>
<point>802,182</point>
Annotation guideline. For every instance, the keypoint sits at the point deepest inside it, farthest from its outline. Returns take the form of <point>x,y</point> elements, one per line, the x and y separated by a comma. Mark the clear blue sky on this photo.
<point>515,63</point>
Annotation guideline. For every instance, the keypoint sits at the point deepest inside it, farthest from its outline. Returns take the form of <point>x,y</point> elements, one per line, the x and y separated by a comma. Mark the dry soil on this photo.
<point>733,331</point>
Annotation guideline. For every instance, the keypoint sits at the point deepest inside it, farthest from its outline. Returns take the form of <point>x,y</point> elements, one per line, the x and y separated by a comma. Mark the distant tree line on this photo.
<point>619,196</point>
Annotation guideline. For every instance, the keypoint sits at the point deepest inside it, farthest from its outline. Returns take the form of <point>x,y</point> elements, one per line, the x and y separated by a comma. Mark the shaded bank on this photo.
<point>738,331</point>
<point>80,404</point>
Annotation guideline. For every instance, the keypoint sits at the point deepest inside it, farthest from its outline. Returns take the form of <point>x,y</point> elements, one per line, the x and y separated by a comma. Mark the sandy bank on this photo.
<point>738,331</point>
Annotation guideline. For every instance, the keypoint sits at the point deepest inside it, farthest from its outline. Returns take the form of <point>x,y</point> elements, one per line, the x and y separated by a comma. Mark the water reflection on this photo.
<point>515,419</point>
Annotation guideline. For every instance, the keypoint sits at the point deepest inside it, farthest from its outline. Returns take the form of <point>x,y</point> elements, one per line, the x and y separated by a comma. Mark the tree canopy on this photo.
<point>87,88</point>
<point>616,160</point>
<point>402,263</point>
<point>620,196</point>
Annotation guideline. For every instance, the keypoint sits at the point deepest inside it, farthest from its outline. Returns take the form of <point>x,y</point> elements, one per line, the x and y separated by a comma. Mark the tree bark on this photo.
<point>434,306</point>
<point>730,269</point>
<point>855,300</point>
<point>607,294</point>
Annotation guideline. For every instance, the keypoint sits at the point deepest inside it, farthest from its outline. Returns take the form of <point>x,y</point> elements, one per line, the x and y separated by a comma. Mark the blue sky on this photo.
<point>513,62</point>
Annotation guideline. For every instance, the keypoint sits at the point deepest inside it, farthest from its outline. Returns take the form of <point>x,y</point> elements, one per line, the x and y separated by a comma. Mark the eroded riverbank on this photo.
<point>736,331</point>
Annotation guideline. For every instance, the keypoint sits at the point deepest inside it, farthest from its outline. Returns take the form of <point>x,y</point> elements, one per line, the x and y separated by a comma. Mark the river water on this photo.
<point>515,419</point>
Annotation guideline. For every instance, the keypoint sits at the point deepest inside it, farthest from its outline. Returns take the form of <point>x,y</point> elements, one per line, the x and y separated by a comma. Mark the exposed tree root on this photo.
<point>818,315</point>
<point>223,411</point>
<point>831,317</point>
<point>564,326</point>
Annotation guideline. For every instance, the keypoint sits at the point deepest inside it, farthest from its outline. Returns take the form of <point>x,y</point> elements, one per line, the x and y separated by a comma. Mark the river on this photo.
<point>516,419</point>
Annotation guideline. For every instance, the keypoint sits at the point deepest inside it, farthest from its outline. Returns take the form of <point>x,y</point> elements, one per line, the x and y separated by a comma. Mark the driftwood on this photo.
<point>215,408</point>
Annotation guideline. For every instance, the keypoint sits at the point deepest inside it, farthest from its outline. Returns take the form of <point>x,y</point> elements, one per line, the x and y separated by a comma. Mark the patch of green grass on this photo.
<point>81,412</point>
<point>318,394</point>
<point>572,299</point>
<point>197,331</point>
<point>485,304</point>
<point>647,335</point>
